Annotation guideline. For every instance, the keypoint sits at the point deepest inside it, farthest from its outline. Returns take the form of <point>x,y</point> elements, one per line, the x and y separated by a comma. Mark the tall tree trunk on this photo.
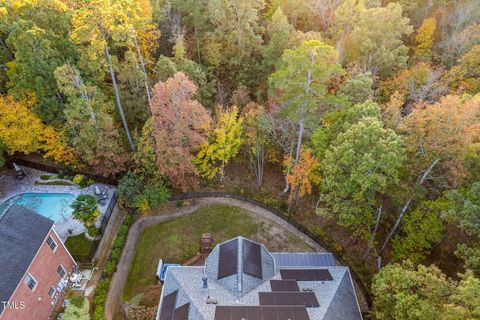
<point>287,185</point>
<point>257,161</point>
<point>405,207</point>
<point>197,42</point>
<point>372,240</point>
<point>301,127</point>
<point>119,102</point>
<point>144,70</point>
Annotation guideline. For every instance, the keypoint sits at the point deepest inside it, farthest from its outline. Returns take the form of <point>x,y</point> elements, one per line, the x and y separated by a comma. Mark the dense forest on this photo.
<point>367,112</point>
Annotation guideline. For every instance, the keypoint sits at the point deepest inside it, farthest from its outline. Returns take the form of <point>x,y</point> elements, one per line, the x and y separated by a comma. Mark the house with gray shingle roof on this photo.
<point>241,279</point>
<point>35,265</point>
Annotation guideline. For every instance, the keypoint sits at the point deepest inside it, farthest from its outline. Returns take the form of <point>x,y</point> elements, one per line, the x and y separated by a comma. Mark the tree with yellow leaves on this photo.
<point>23,131</point>
<point>224,143</point>
<point>424,40</point>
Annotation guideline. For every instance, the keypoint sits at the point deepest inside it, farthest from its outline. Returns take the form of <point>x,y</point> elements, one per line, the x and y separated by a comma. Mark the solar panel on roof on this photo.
<point>285,313</point>
<point>266,299</point>
<point>252,259</point>
<point>181,313</point>
<point>261,313</point>
<point>168,306</point>
<point>239,312</point>
<point>306,274</point>
<point>284,285</point>
<point>269,313</point>
<point>300,313</point>
<point>223,313</point>
<point>254,313</point>
<point>305,299</point>
<point>310,299</point>
<point>303,259</point>
<point>227,262</point>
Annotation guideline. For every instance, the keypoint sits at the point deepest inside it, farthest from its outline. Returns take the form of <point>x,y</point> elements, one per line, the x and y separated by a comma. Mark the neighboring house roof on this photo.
<point>22,232</point>
<point>236,286</point>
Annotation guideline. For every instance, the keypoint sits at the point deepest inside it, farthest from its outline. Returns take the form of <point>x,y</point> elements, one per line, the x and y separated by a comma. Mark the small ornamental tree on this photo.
<point>225,142</point>
<point>301,175</point>
<point>86,210</point>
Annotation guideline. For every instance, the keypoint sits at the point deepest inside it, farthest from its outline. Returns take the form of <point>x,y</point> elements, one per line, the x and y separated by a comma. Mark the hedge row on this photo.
<point>101,291</point>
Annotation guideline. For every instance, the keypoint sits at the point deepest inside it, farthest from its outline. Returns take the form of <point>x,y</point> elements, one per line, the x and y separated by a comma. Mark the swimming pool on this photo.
<point>55,206</point>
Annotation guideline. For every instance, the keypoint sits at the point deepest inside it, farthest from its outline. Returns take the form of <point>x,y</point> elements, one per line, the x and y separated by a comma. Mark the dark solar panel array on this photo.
<point>168,311</point>
<point>284,285</point>
<point>305,299</point>
<point>303,259</point>
<point>306,274</point>
<point>168,306</point>
<point>227,263</point>
<point>252,259</point>
<point>181,313</point>
<point>260,313</point>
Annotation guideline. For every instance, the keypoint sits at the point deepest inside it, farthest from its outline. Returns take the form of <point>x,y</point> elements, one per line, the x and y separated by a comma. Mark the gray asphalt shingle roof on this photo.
<point>336,298</point>
<point>22,232</point>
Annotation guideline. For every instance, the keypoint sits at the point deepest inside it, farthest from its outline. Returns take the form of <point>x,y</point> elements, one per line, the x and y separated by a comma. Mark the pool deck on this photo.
<point>10,186</point>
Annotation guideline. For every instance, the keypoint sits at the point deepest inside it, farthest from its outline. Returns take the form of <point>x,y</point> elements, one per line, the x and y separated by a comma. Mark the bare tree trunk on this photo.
<point>144,70</point>
<point>287,185</point>
<point>405,207</point>
<point>372,240</point>
<point>299,141</point>
<point>198,44</point>
<point>257,161</point>
<point>119,102</point>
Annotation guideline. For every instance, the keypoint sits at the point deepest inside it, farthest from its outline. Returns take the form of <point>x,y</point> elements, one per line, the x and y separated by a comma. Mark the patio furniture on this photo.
<point>20,173</point>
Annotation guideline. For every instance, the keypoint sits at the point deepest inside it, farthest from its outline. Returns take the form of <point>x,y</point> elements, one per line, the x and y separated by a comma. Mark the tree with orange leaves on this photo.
<point>180,128</point>
<point>301,175</point>
<point>446,132</point>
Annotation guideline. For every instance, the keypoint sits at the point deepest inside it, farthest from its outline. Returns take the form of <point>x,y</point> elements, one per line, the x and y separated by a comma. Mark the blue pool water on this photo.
<point>55,206</point>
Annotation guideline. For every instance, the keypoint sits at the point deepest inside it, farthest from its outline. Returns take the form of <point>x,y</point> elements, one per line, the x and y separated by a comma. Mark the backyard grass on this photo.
<point>178,240</point>
<point>80,246</point>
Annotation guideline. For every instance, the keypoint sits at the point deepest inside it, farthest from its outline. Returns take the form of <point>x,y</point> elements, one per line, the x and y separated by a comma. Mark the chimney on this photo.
<point>206,244</point>
<point>205,281</point>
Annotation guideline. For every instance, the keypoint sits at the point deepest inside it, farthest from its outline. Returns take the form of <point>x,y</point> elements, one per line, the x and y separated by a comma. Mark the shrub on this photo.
<point>78,309</point>
<point>78,179</point>
<point>152,197</point>
<point>128,187</point>
<point>103,285</point>
<point>82,181</point>
<point>46,177</point>
<point>140,202</point>
<point>109,268</point>
<point>85,209</point>
<point>157,194</point>
<point>93,231</point>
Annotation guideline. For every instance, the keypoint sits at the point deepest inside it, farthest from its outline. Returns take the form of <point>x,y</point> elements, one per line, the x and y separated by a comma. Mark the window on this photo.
<point>51,243</point>
<point>61,271</point>
<point>30,281</point>
<point>51,292</point>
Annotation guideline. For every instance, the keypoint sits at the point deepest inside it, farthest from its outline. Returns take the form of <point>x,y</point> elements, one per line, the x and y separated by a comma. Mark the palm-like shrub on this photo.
<point>85,209</point>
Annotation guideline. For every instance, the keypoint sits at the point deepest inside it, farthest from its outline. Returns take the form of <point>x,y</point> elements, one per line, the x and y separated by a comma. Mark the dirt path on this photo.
<point>119,278</point>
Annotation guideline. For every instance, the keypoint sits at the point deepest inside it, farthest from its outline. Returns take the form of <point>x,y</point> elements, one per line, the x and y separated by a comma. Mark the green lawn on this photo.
<point>79,245</point>
<point>178,240</point>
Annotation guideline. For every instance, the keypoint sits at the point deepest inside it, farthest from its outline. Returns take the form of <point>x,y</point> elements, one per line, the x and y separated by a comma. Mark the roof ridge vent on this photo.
<point>240,265</point>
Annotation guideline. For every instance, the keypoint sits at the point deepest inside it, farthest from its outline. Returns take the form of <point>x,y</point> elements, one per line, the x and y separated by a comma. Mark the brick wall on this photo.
<point>37,304</point>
